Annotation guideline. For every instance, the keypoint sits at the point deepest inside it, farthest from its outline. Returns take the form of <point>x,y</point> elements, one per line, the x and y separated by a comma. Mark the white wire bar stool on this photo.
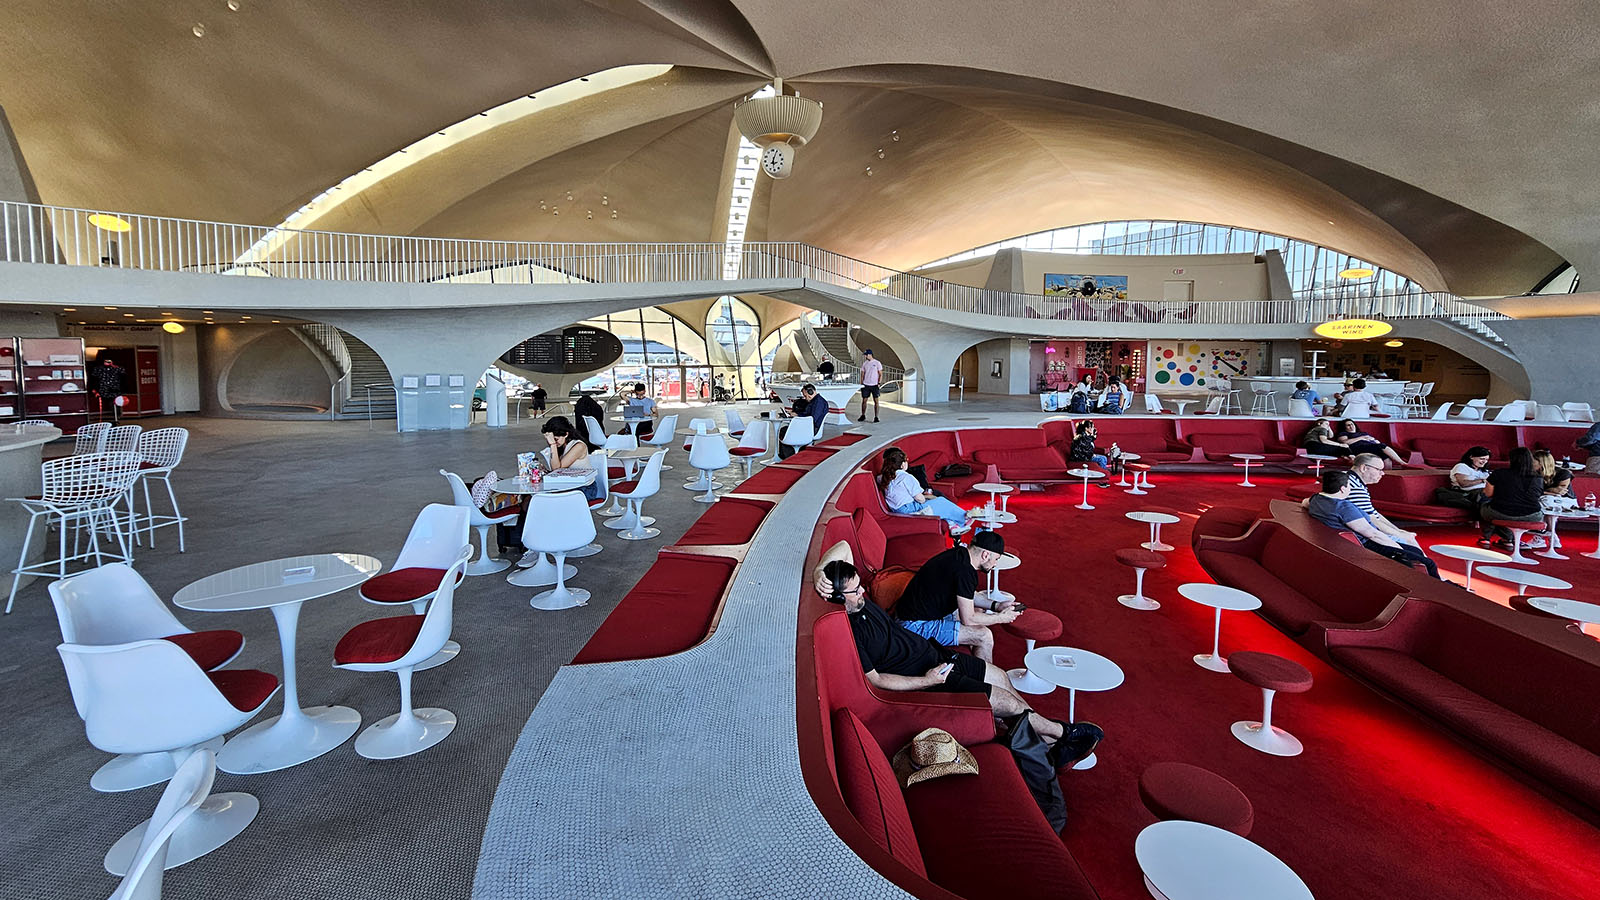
<point>159,452</point>
<point>79,498</point>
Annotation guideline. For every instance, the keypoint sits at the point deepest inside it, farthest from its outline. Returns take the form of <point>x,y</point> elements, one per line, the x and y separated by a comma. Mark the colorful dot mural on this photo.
<point>1191,364</point>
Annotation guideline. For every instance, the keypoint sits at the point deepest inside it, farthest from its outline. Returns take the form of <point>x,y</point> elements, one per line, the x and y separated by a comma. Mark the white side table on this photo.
<point>995,488</point>
<point>1122,476</point>
<point>1192,861</point>
<point>993,593</point>
<point>1469,555</point>
<point>1248,459</point>
<point>1088,672</point>
<point>1596,553</point>
<point>1219,597</point>
<point>1316,471</point>
<point>1551,520</point>
<point>1086,474</point>
<point>1576,610</point>
<point>1525,579</point>
<point>282,585</point>
<point>1155,521</point>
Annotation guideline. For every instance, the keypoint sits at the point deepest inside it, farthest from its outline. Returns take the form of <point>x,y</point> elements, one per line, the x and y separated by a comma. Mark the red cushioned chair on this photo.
<point>151,697</point>
<point>1271,674</point>
<point>437,538</point>
<point>1174,790</point>
<point>1033,625</point>
<point>752,443</point>
<point>1140,560</point>
<point>114,605</point>
<point>403,644</point>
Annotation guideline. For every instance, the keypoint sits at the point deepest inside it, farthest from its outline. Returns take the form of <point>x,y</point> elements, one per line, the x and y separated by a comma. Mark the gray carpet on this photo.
<point>339,826</point>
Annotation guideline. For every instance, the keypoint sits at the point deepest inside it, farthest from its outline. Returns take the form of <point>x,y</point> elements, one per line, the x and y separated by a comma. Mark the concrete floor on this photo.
<point>339,826</point>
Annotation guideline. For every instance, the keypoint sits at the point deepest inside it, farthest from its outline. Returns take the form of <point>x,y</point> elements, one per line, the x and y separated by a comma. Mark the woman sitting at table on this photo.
<point>1359,441</point>
<point>1557,479</point>
<point>903,494</point>
<point>1513,496</point>
<point>587,406</point>
<point>1471,473</point>
<point>566,451</point>
<point>1319,441</point>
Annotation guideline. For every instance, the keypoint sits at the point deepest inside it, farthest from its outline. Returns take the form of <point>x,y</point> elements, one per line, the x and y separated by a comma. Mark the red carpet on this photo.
<point>1380,805</point>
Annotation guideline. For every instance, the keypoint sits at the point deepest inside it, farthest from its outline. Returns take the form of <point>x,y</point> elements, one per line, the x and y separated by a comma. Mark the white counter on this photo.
<point>839,394</point>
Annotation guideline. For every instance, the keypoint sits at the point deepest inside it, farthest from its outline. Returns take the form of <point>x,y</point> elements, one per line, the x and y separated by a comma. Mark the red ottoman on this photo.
<point>1272,674</point>
<point>1033,625</point>
<point>1139,560</point>
<point>1141,476</point>
<point>1518,529</point>
<point>1173,790</point>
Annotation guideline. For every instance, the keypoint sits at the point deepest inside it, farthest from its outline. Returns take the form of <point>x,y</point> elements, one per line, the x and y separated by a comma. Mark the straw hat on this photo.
<point>931,754</point>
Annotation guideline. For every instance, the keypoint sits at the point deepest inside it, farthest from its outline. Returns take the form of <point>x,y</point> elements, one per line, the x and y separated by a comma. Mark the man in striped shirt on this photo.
<point>1368,469</point>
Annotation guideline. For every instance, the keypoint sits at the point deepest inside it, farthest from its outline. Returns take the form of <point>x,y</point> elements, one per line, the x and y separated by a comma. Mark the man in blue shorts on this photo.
<point>938,603</point>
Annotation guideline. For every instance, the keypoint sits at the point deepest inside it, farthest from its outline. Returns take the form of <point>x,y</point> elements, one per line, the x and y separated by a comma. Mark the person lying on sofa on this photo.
<point>1351,435</point>
<point>1319,440</point>
<point>905,495</point>
<point>1333,508</point>
<point>938,603</point>
<point>894,659</point>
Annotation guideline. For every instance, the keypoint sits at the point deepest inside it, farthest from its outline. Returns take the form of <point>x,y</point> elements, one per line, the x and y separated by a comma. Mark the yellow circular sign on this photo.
<point>1354,329</point>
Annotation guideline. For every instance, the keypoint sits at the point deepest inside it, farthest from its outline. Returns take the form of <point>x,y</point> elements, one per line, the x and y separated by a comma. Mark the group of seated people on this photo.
<point>1526,490</point>
<point>1322,439</point>
<point>1111,397</point>
<point>1345,504</point>
<point>914,648</point>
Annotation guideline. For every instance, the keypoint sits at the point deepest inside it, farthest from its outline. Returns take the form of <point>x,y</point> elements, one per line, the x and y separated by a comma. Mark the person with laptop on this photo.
<point>640,406</point>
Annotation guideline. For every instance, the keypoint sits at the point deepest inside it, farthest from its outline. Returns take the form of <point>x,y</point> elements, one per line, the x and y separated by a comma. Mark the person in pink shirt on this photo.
<point>871,375</point>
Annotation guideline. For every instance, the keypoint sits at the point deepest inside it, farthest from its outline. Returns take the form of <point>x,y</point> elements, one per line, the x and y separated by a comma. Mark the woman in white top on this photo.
<point>1472,472</point>
<point>903,494</point>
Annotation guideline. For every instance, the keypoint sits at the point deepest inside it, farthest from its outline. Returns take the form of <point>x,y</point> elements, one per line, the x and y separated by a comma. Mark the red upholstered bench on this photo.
<point>1223,522</point>
<point>1174,790</point>
<point>1024,464</point>
<point>733,520</point>
<point>809,456</point>
<point>771,480</point>
<point>843,440</point>
<point>1533,707</point>
<point>674,606</point>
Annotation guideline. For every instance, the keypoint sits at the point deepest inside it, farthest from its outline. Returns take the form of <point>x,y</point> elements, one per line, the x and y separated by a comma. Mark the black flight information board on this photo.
<point>574,349</point>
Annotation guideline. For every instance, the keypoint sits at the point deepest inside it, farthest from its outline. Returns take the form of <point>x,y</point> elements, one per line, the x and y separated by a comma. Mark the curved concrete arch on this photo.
<point>223,348</point>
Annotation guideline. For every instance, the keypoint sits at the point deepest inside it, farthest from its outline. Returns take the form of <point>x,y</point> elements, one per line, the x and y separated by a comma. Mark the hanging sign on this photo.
<point>1354,329</point>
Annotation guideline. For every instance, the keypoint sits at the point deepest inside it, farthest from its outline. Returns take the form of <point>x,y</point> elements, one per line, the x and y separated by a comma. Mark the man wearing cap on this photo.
<point>871,375</point>
<point>938,603</point>
<point>894,659</point>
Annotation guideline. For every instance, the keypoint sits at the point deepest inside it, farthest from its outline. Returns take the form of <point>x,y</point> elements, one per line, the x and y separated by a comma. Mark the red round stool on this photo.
<point>1033,625</point>
<point>1272,674</point>
<point>1139,559</point>
<point>1174,790</point>
<point>1518,529</point>
<point>1141,477</point>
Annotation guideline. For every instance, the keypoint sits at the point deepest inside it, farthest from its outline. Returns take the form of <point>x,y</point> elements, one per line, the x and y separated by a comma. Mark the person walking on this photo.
<point>108,380</point>
<point>871,376</point>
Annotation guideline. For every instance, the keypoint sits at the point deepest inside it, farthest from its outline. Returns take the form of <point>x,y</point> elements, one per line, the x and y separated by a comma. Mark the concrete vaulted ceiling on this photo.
<point>1449,141</point>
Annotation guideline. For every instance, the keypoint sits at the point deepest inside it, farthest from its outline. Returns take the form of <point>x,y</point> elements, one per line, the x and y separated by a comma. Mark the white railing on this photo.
<point>54,235</point>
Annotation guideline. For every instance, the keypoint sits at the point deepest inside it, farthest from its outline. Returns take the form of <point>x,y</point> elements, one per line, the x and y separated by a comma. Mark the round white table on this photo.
<point>282,585</point>
<point>629,423</point>
<point>1122,474</point>
<point>993,593</point>
<point>994,489</point>
<point>1088,672</point>
<point>1181,404</point>
<point>1219,597</point>
<point>1576,610</point>
<point>1086,474</point>
<point>1155,520</point>
<point>1192,861</point>
<point>1248,459</point>
<point>1316,471</point>
<point>1525,579</point>
<point>1551,520</point>
<point>1469,555</point>
<point>541,572</point>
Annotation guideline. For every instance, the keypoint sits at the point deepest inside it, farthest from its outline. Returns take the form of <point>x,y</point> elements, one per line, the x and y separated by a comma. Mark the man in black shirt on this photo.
<point>894,659</point>
<point>938,603</point>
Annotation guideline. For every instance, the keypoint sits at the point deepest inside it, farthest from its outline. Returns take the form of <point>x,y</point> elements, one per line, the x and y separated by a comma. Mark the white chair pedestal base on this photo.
<point>1516,548</point>
<point>585,551</point>
<point>699,484</point>
<point>560,598</point>
<point>636,529</point>
<point>1211,661</point>
<point>288,740</point>
<point>629,520</point>
<point>540,574</point>
<point>639,534</point>
<point>219,820</point>
<point>132,771</point>
<point>390,738</point>
<point>486,564</point>
<point>1137,599</point>
<point>1021,679</point>
<point>1265,736</point>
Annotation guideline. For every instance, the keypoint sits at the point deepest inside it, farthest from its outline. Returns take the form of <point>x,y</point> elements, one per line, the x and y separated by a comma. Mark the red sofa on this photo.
<point>1404,495</point>
<point>1214,439</point>
<point>875,550</point>
<point>911,836</point>
<point>1442,443</point>
<point>1521,687</point>
<point>933,451</point>
<point>1222,522</point>
<point>1299,582</point>
<point>1560,440</point>
<point>1155,440</point>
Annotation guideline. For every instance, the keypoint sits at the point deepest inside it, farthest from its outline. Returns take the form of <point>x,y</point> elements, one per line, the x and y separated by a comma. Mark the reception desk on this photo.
<point>21,450</point>
<point>839,394</point>
<point>1386,390</point>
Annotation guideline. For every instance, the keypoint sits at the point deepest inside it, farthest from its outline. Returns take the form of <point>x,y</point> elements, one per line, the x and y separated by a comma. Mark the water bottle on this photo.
<point>1588,502</point>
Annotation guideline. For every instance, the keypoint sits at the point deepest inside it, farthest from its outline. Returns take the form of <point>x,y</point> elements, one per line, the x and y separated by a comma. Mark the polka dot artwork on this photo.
<point>1190,365</point>
<point>1186,379</point>
<point>1163,376</point>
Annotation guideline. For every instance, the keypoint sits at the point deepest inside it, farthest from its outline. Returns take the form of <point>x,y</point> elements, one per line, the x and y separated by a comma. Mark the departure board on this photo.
<point>576,348</point>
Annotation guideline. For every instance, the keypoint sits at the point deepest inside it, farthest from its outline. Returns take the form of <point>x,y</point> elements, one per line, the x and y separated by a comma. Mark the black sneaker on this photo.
<point>863,419</point>
<point>874,418</point>
<point>1078,740</point>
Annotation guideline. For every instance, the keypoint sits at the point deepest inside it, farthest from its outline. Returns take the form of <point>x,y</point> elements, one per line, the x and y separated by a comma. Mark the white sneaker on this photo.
<point>958,530</point>
<point>1534,543</point>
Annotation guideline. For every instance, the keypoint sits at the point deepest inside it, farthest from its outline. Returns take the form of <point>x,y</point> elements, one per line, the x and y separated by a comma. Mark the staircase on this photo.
<point>836,341</point>
<point>1483,331</point>
<point>366,367</point>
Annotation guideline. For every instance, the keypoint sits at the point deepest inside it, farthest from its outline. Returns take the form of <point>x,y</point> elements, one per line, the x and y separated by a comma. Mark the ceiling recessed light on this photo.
<point>127,315</point>
<point>274,321</point>
<point>1394,343</point>
<point>69,309</point>
<point>244,317</point>
<point>172,327</point>
<point>199,29</point>
<point>108,307</point>
<point>206,311</point>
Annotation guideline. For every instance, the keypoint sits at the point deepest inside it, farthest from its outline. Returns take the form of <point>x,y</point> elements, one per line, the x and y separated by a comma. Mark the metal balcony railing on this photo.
<point>53,235</point>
